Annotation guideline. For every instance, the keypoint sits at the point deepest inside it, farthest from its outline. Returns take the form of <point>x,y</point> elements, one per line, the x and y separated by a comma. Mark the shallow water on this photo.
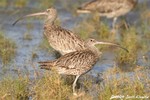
<point>26,48</point>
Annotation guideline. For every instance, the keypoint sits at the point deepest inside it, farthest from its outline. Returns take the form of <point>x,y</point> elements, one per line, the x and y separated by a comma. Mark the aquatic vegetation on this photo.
<point>51,86</point>
<point>131,84</point>
<point>34,55</point>
<point>145,24</point>
<point>130,40</point>
<point>84,29</point>
<point>14,89</point>
<point>104,32</point>
<point>101,28</point>
<point>24,3</point>
<point>20,3</point>
<point>7,49</point>
<point>3,3</point>
<point>92,27</point>
<point>46,3</point>
<point>27,36</point>
<point>115,82</point>
<point>135,41</point>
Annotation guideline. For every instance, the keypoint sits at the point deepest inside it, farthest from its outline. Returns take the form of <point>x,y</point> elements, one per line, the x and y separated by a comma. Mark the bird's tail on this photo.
<point>46,65</point>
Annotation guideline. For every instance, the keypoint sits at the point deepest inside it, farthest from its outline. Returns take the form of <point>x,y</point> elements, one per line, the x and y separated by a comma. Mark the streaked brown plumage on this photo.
<point>60,39</point>
<point>108,8</point>
<point>78,62</point>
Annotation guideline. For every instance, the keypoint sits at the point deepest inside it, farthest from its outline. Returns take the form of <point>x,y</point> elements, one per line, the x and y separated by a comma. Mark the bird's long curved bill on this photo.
<point>80,10</point>
<point>30,15</point>
<point>113,44</point>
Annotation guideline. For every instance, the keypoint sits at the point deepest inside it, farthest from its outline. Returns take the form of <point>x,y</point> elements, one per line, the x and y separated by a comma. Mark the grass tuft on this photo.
<point>46,3</point>
<point>3,3</point>
<point>51,86</point>
<point>92,27</point>
<point>20,3</point>
<point>130,40</point>
<point>27,36</point>
<point>14,89</point>
<point>7,49</point>
<point>124,84</point>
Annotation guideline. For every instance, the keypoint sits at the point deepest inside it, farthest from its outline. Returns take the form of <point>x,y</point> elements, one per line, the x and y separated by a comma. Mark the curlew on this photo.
<point>108,8</point>
<point>60,39</point>
<point>77,63</point>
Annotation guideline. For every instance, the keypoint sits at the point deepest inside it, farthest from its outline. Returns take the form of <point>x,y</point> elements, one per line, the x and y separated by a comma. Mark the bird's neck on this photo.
<point>49,22</point>
<point>94,50</point>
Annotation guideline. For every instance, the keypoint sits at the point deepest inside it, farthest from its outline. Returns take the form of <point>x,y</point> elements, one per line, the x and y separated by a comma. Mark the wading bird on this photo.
<point>77,63</point>
<point>62,40</point>
<point>108,8</point>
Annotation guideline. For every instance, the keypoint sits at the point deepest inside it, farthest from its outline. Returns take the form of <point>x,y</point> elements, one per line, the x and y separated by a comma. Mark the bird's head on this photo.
<point>93,42</point>
<point>51,13</point>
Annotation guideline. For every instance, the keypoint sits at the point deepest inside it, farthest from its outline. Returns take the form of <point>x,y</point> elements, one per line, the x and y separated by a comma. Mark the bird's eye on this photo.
<point>48,10</point>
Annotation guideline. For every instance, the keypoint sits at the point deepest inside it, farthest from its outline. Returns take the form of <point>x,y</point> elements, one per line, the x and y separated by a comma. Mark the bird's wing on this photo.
<point>89,5</point>
<point>104,6</point>
<point>65,40</point>
<point>77,60</point>
<point>109,6</point>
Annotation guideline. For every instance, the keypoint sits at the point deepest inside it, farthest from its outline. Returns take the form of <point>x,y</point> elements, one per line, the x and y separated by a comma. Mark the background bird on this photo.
<point>62,40</point>
<point>108,8</point>
<point>77,63</point>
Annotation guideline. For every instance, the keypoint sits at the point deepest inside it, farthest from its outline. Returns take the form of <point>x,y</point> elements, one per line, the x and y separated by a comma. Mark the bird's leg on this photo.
<point>74,84</point>
<point>113,25</point>
<point>114,22</point>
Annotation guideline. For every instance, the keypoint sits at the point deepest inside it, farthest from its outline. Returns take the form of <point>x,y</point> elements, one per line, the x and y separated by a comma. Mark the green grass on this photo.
<point>3,3</point>
<point>135,42</point>
<point>131,42</point>
<point>7,49</point>
<point>84,32</point>
<point>51,86</point>
<point>23,3</point>
<point>20,3</point>
<point>15,3</point>
<point>46,3</point>
<point>92,27</point>
<point>124,84</point>
<point>14,89</point>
